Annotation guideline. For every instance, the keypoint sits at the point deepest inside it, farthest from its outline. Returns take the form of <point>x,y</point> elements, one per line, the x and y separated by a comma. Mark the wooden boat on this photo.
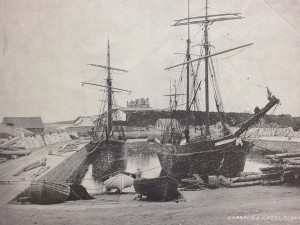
<point>119,181</point>
<point>48,192</point>
<point>104,137</point>
<point>160,189</point>
<point>208,153</point>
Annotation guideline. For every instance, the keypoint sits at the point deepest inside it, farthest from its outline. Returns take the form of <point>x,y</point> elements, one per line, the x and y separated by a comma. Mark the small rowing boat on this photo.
<point>160,188</point>
<point>48,192</point>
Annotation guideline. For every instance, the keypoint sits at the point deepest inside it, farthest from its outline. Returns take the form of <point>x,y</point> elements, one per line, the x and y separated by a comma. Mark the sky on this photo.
<point>46,46</point>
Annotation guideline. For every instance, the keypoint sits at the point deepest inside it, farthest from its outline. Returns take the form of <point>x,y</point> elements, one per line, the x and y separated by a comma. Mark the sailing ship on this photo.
<point>207,154</point>
<point>106,138</point>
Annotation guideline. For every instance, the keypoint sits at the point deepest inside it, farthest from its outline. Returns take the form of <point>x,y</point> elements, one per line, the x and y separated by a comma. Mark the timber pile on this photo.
<point>192,184</point>
<point>246,179</point>
<point>288,164</point>
<point>285,170</point>
<point>10,148</point>
<point>268,177</point>
<point>20,146</point>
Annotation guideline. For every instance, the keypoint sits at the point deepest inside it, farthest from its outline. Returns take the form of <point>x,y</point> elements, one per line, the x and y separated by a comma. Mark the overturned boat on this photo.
<point>45,192</point>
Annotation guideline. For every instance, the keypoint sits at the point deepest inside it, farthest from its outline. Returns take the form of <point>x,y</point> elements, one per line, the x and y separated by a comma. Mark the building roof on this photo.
<point>25,122</point>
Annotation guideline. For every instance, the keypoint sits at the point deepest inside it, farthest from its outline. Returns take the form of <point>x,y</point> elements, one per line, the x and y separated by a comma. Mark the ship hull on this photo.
<point>112,148</point>
<point>203,158</point>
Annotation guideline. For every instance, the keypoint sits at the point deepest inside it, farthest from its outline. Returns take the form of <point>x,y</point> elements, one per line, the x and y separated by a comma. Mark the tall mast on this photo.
<point>108,82</point>
<point>188,58</point>
<point>206,47</point>
<point>108,87</point>
<point>206,20</point>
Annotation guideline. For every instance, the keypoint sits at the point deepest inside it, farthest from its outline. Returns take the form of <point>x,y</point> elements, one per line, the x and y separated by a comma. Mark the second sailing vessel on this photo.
<point>106,137</point>
<point>205,154</point>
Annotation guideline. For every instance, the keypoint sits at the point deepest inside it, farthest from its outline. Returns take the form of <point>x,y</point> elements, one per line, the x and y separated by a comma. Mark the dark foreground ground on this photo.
<point>248,205</point>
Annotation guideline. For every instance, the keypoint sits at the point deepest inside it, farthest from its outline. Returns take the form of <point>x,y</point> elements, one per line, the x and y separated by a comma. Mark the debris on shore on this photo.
<point>31,166</point>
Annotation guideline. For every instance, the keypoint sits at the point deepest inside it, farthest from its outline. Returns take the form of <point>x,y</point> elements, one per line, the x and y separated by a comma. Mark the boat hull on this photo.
<point>111,147</point>
<point>203,158</point>
<point>159,189</point>
<point>48,192</point>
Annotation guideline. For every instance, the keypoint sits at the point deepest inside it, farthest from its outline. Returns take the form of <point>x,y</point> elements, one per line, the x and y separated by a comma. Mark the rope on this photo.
<point>94,148</point>
<point>281,17</point>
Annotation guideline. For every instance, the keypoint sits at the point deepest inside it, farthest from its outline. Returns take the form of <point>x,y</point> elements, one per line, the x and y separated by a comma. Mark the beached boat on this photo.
<point>106,137</point>
<point>48,192</point>
<point>208,153</point>
<point>160,188</point>
<point>119,181</point>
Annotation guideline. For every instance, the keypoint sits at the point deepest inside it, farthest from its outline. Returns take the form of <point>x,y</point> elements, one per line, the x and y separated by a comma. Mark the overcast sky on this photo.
<point>45,46</point>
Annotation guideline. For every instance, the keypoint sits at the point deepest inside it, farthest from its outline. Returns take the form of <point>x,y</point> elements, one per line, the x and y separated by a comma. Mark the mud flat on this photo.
<point>66,166</point>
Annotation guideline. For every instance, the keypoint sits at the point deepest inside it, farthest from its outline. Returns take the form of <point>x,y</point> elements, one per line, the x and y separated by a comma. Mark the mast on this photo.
<point>108,87</point>
<point>109,95</point>
<point>188,58</point>
<point>205,20</point>
<point>206,47</point>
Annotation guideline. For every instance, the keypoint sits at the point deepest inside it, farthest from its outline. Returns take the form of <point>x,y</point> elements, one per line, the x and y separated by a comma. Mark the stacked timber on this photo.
<point>268,178</point>
<point>10,147</point>
<point>273,132</point>
<point>288,164</point>
<point>21,146</point>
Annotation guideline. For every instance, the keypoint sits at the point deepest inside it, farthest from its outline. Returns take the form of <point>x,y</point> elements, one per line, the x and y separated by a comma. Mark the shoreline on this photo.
<point>209,206</point>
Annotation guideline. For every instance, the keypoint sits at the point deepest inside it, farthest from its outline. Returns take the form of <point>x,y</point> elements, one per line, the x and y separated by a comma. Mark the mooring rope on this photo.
<point>94,149</point>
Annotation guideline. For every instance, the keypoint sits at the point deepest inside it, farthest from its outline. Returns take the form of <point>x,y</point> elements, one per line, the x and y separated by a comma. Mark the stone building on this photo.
<point>139,103</point>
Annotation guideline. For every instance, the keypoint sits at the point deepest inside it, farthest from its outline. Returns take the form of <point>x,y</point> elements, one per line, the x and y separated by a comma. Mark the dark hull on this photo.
<point>48,192</point>
<point>112,147</point>
<point>203,158</point>
<point>161,188</point>
<point>107,157</point>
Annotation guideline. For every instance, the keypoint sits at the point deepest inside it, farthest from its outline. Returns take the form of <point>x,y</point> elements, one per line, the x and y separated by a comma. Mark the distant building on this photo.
<point>33,124</point>
<point>139,103</point>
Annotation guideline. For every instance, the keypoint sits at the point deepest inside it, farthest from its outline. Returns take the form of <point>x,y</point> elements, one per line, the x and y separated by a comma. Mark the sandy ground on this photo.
<point>248,205</point>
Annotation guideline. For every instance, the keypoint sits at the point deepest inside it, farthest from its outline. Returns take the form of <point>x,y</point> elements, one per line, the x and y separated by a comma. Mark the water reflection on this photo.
<point>139,156</point>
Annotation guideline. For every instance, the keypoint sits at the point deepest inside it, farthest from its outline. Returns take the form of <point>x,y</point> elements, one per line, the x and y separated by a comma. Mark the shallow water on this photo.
<point>140,157</point>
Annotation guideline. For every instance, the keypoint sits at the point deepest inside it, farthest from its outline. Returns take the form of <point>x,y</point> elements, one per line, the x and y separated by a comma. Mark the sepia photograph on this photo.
<point>141,112</point>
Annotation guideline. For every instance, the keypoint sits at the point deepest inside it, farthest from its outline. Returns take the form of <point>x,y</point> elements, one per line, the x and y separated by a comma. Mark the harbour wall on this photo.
<point>276,145</point>
<point>70,170</point>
